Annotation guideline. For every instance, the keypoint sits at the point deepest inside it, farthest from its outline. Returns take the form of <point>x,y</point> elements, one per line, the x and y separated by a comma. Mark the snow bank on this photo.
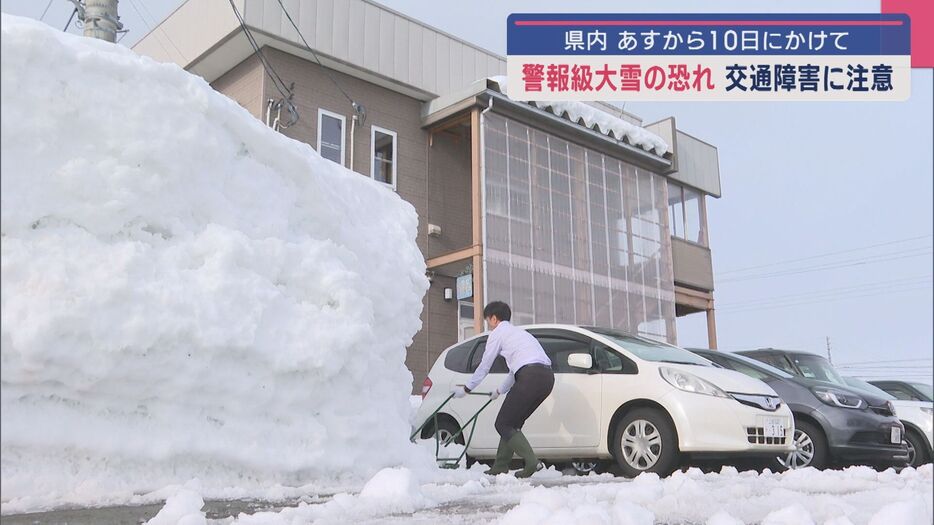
<point>183,508</point>
<point>186,293</point>
<point>598,120</point>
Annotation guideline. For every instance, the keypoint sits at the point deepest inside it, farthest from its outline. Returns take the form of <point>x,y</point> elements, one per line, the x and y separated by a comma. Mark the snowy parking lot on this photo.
<point>854,496</point>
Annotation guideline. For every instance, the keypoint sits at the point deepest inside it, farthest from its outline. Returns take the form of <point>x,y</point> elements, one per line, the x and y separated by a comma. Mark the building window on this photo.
<point>383,168</point>
<point>686,214</point>
<point>331,136</point>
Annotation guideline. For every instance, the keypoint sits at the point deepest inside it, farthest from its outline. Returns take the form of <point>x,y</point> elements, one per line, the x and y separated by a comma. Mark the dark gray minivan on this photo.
<point>834,425</point>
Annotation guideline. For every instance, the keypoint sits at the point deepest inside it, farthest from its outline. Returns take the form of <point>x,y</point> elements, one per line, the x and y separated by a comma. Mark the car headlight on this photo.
<point>690,382</point>
<point>838,399</point>
<point>928,410</point>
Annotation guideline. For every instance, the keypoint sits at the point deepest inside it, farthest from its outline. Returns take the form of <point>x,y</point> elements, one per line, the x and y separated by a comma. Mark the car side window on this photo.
<point>499,364</point>
<point>457,359</point>
<point>609,362</point>
<point>558,350</point>
<point>900,393</point>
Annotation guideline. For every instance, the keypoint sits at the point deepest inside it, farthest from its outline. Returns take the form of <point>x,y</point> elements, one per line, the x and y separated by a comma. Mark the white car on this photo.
<point>617,396</point>
<point>917,416</point>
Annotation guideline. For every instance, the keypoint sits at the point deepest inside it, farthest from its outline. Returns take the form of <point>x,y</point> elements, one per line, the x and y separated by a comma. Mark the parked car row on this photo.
<point>646,406</point>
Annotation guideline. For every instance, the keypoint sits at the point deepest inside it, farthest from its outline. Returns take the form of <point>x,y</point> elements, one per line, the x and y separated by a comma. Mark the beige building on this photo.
<point>566,219</point>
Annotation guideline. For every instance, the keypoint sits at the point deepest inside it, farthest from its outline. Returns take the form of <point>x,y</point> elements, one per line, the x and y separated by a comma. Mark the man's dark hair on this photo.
<point>499,309</point>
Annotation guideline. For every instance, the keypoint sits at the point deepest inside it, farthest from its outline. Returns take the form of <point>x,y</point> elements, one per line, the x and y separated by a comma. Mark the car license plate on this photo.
<point>773,427</point>
<point>896,435</point>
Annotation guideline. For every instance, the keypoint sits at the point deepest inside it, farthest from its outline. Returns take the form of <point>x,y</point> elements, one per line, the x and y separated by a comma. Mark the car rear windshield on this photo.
<point>924,389</point>
<point>649,350</point>
<point>866,387</point>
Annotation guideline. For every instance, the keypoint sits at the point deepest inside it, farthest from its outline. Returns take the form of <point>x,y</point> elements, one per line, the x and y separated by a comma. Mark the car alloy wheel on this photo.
<point>584,466</point>
<point>641,444</point>
<point>803,453</point>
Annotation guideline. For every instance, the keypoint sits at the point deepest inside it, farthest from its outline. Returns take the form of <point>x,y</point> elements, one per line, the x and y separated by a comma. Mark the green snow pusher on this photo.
<point>451,463</point>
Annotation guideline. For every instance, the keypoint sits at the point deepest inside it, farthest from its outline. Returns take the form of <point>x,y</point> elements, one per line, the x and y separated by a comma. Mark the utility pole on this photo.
<point>100,18</point>
<point>829,355</point>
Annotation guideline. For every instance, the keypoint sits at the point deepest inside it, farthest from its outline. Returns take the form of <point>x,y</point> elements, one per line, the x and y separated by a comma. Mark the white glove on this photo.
<point>459,391</point>
<point>494,394</point>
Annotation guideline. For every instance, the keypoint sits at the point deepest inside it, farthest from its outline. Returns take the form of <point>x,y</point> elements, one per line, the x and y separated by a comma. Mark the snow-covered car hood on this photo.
<point>727,380</point>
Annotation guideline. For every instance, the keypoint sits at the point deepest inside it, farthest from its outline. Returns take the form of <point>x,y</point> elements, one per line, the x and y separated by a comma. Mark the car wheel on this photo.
<point>645,441</point>
<point>446,429</point>
<point>810,449</point>
<point>583,467</point>
<point>916,449</point>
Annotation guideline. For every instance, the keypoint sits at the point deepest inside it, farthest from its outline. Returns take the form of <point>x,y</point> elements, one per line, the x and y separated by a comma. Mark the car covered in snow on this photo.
<point>916,415</point>
<point>834,424</point>
<point>649,406</point>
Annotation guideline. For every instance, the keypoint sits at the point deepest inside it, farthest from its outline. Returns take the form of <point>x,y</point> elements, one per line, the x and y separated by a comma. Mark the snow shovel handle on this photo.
<point>432,416</point>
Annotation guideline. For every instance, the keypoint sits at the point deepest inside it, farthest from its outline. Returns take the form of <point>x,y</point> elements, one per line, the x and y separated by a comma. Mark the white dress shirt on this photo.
<point>518,348</point>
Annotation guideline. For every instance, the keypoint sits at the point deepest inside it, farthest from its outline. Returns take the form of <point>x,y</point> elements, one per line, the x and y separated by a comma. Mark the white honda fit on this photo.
<point>646,404</point>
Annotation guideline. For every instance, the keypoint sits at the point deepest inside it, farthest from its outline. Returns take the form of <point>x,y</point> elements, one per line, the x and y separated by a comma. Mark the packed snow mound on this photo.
<point>186,293</point>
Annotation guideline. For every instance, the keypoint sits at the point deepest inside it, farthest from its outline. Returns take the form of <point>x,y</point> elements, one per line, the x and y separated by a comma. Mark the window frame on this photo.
<point>343,120</point>
<point>395,154</point>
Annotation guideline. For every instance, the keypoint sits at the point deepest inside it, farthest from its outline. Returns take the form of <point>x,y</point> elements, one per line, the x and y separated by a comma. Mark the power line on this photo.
<point>830,299</point>
<point>70,18</point>
<point>860,287</point>
<point>318,60</point>
<point>786,261</point>
<point>149,22</point>
<point>889,361</point>
<point>46,10</point>
<point>817,297</point>
<point>904,254</point>
<point>283,90</point>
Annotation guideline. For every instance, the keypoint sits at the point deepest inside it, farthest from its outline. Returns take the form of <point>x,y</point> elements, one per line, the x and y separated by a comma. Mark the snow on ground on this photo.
<point>854,496</point>
<point>187,294</point>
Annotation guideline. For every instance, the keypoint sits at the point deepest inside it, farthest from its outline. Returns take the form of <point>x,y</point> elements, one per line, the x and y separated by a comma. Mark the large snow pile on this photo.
<point>186,293</point>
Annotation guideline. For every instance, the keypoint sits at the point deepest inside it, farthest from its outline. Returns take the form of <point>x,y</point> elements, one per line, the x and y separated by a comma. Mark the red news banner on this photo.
<point>709,57</point>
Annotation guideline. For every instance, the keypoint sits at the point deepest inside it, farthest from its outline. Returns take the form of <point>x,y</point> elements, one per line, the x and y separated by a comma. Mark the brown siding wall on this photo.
<point>401,114</point>
<point>449,204</point>
<point>244,84</point>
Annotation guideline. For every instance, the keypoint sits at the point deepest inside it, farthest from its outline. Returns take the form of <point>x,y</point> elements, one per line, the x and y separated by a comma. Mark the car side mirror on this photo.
<point>584,361</point>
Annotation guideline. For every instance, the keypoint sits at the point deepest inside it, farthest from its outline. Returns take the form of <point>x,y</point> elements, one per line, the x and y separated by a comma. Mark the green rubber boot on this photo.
<point>521,445</point>
<point>503,458</point>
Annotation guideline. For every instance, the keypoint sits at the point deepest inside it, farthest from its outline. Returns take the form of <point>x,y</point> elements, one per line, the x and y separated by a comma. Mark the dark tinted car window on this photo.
<point>609,362</point>
<point>743,368</point>
<point>778,361</point>
<point>499,365</point>
<point>559,349</point>
<point>457,359</point>
<point>901,393</point>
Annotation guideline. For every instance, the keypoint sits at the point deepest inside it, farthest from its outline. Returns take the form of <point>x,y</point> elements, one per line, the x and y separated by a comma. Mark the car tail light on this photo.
<point>426,386</point>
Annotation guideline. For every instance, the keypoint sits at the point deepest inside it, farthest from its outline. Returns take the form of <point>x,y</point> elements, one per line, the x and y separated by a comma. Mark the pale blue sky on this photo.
<point>799,180</point>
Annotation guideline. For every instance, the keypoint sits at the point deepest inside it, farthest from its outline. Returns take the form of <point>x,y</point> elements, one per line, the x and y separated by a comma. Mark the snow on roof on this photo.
<point>597,120</point>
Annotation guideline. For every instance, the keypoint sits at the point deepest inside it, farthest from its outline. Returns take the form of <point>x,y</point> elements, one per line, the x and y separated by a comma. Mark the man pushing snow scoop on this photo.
<point>528,384</point>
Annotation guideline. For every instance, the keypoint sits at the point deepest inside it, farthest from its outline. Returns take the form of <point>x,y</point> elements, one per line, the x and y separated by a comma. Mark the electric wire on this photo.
<point>70,18</point>
<point>831,291</point>
<point>827,254</point>
<point>318,60</point>
<point>46,10</point>
<point>148,21</point>
<point>277,81</point>
<point>892,256</point>
<point>824,300</point>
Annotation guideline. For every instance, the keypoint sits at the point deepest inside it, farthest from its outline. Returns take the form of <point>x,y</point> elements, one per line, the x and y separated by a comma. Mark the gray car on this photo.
<point>834,425</point>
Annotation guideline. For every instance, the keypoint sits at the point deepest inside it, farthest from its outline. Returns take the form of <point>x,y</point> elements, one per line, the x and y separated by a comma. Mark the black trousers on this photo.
<point>533,385</point>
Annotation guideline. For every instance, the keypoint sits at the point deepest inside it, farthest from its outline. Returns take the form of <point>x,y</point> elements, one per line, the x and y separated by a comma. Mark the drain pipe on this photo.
<point>269,104</point>
<point>359,114</point>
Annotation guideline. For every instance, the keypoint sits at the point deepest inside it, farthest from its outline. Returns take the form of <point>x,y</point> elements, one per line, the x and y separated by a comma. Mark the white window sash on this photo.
<point>321,114</point>
<point>395,153</point>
